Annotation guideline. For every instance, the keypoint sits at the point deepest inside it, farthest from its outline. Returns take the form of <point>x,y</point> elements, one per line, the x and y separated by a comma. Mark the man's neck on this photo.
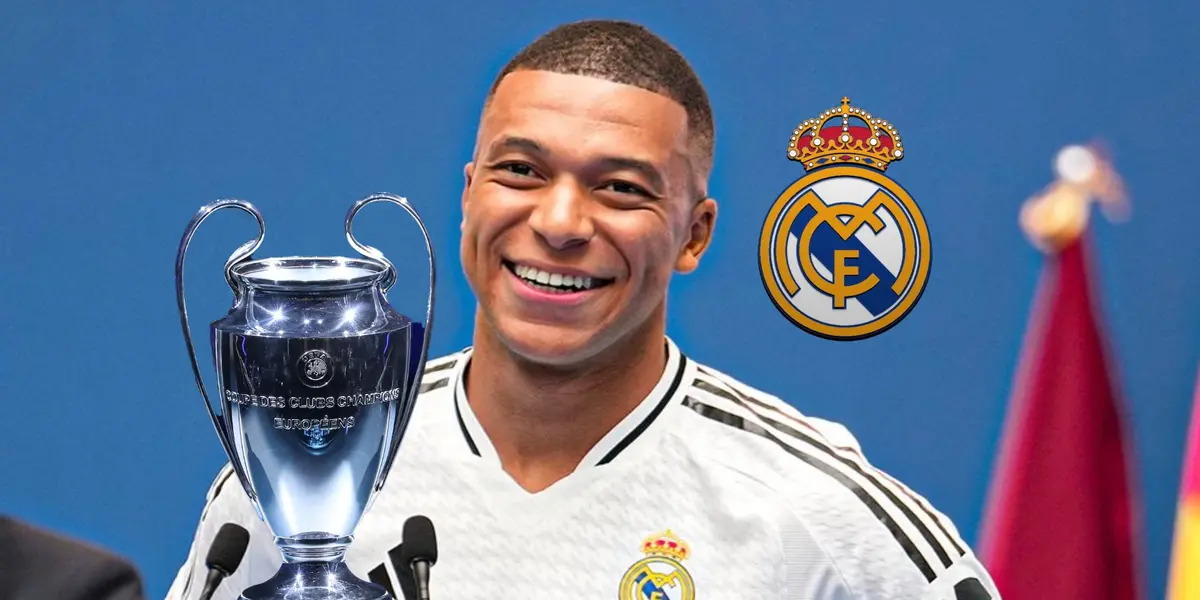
<point>543,420</point>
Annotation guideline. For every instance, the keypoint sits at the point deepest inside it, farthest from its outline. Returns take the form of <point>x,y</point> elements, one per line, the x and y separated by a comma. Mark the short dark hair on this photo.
<point>629,54</point>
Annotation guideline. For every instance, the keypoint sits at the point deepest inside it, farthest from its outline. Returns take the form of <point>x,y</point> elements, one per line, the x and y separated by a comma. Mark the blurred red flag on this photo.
<point>1060,520</point>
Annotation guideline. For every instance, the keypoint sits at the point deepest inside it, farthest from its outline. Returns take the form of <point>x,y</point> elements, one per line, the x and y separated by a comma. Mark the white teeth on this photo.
<point>557,280</point>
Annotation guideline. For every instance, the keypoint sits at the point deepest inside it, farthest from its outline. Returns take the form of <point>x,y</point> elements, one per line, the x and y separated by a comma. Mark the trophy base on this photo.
<point>315,581</point>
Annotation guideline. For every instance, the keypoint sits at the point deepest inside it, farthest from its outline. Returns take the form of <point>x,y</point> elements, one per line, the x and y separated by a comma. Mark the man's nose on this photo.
<point>562,217</point>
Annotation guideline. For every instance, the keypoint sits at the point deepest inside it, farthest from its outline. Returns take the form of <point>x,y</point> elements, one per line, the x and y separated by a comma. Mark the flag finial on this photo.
<point>1057,215</point>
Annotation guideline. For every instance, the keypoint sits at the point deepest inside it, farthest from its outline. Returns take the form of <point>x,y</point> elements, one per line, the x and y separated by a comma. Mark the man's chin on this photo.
<point>550,344</point>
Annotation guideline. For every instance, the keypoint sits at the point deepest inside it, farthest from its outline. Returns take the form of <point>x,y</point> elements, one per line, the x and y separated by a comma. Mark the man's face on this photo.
<point>579,206</point>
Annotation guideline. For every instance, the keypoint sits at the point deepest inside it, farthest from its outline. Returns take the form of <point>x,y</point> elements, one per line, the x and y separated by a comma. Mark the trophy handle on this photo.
<point>242,253</point>
<point>389,279</point>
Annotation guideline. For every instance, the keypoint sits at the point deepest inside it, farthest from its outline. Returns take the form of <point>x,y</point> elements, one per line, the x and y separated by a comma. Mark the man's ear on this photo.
<point>468,177</point>
<point>700,232</point>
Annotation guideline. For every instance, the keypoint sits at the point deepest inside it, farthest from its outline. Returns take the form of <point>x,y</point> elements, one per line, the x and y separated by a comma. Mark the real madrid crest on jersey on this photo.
<point>844,251</point>
<point>660,575</point>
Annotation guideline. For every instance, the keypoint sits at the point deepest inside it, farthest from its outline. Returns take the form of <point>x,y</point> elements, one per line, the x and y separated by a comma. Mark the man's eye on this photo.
<point>624,187</point>
<point>521,169</point>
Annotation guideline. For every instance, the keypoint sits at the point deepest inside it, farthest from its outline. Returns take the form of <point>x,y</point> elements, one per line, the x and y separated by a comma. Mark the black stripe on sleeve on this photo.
<point>744,401</point>
<point>738,422</point>
<point>436,385</point>
<point>440,367</point>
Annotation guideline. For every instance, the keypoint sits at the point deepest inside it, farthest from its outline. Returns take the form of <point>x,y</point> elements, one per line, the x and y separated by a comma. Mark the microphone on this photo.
<point>419,551</point>
<point>224,556</point>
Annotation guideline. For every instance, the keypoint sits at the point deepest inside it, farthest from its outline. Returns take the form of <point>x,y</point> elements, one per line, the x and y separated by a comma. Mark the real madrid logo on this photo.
<point>660,575</point>
<point>844,251</point>
<point>315,368</point>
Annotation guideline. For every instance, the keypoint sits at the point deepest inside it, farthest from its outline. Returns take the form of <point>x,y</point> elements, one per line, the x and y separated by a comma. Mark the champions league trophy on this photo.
<point>316,379</point>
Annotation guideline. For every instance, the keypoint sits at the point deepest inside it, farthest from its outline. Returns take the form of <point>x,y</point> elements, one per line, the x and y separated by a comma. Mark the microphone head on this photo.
<point>419,540</point>
<point>228,548</point>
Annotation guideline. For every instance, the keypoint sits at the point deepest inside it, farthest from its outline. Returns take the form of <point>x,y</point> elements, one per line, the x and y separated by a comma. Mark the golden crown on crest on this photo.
<point>845,134</point>
<point>665,544</point>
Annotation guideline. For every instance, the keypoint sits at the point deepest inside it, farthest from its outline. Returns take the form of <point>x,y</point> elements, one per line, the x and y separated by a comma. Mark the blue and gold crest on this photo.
<point>661,574</point>
<point>844,252</point>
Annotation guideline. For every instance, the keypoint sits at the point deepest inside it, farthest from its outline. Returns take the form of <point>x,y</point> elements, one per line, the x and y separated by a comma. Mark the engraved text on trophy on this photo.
<point>311,417</point>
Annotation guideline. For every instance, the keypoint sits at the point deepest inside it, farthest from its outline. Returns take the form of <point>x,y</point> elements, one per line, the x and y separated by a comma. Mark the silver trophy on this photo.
<point>316,379</point>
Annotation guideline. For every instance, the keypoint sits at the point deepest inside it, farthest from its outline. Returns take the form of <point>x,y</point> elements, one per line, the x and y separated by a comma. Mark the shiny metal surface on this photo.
<point>386,285</point>
<point>244,251</point>
<point>315,581</point>
<point>317,375</point>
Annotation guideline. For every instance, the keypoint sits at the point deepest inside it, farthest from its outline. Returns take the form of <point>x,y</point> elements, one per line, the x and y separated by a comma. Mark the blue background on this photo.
<point>119,119</point>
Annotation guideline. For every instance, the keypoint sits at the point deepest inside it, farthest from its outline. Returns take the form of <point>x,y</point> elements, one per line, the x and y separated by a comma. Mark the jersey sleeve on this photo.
<point>903,547</point>
<point>966,579</point>
<point>226,502</point>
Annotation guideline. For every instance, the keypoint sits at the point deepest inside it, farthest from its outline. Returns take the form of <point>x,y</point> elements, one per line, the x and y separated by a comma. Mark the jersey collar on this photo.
<point>633,426</point>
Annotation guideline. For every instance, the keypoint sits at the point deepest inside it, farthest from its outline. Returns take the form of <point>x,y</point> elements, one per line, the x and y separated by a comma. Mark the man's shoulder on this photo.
<point>759,419</point>
<point>872,525</point>
<point>44,564</point>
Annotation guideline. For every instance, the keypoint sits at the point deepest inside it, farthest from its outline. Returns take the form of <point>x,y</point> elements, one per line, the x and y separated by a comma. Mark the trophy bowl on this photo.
<point>316,379</point>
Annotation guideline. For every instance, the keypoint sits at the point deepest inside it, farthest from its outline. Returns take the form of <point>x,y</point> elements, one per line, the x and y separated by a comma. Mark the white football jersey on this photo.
<point>709,490</point>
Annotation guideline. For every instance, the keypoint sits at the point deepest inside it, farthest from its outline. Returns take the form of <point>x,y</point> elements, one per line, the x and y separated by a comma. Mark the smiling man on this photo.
<point>574,450</point>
